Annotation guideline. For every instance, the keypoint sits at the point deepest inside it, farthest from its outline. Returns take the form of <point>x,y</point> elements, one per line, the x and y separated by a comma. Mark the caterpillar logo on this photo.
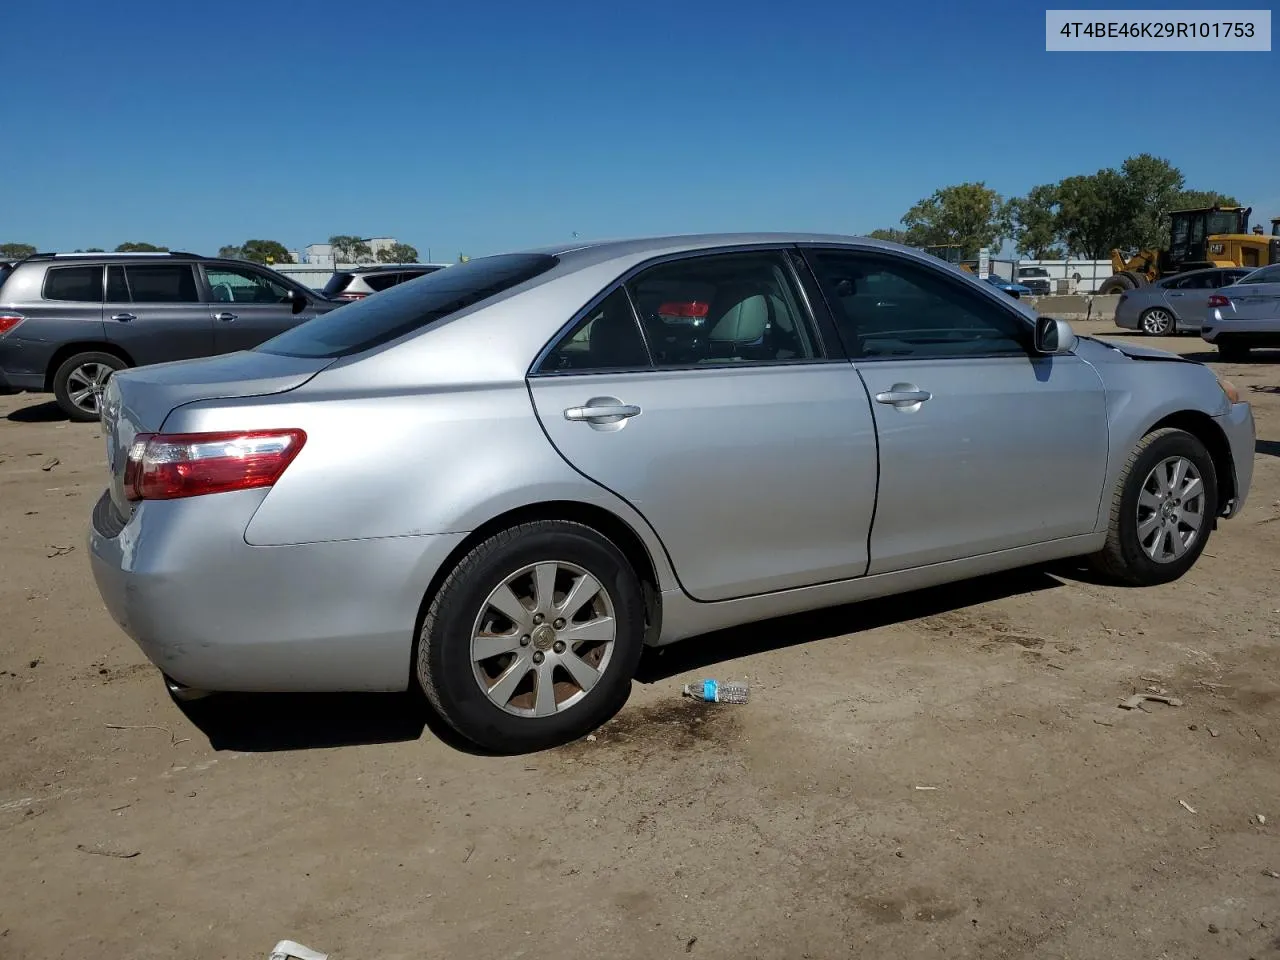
<point>1216,248</point>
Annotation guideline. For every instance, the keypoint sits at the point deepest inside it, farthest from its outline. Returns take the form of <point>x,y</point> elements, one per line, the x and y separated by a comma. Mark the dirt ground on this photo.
<point>941,774</point>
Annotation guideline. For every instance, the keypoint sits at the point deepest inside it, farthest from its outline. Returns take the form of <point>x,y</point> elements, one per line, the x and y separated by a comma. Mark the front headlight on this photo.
<point>1230,390</point>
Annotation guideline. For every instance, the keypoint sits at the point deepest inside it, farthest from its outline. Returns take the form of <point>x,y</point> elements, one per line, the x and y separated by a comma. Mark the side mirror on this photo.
<point>1054,336</point>
<point>298,302</point>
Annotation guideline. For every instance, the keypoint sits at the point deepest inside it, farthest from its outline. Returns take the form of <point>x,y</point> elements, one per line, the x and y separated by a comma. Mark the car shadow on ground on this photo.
<point>265,723</point>
<point>698,653</point>
<point>1270,448</point>
<point>47,412</point>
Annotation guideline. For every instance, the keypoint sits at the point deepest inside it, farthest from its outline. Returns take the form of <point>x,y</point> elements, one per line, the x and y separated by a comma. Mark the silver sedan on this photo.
<point>500,482</point>
<point>1245,315</point>
<point>1177,304</point>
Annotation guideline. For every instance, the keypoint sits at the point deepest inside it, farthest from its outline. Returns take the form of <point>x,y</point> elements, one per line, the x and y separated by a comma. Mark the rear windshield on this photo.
<point>407,307</point>
<point>5,270</point>
<point>336,284</point>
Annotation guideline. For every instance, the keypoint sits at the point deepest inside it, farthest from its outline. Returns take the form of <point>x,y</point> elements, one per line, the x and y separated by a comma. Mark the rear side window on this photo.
<point>162,283</point>
<point>365,324</point>
<point>78,284</point>
<point>381,281</point>
<point>5,270</point>
<point>337,283</point>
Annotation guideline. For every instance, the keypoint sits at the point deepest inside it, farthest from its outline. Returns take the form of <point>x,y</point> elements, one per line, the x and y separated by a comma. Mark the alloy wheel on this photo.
<point>543,639</point>
<point>85,384</point>
<point>1170,509</point>
<point>1157,322</point>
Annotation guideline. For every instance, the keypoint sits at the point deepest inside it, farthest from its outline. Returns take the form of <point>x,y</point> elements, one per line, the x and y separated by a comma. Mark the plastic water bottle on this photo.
<point>713,691</point>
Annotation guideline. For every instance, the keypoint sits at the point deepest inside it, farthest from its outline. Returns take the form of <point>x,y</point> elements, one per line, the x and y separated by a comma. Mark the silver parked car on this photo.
<point>1245,315</point>
<point>502,480</point>
<point>1176,304</point>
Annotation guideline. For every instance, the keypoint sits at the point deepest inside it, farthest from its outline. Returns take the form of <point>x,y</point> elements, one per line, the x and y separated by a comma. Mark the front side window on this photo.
<point>723,309</point>
<point>243,285</point>
<point>893,308</point>
<point>162,283</point>
<point>407,307</point>
<point>75,284</point>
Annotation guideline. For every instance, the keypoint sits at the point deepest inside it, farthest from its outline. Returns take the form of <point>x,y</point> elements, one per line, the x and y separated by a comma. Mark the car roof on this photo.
<point>600,251</point>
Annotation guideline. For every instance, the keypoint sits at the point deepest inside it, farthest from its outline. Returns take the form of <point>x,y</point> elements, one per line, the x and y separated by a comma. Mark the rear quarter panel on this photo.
<point>442,460</point>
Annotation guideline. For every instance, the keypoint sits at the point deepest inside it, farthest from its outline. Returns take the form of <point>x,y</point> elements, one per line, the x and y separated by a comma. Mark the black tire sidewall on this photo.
<point>1176,444</point>
<point>64,373</point>
<point>444,648</point>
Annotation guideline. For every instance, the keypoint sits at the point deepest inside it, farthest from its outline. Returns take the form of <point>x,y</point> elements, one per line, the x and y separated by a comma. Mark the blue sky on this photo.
<point>488,126</point>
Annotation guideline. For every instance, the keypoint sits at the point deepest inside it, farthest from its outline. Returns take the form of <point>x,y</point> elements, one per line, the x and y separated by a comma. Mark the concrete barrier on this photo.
<point>1075,307</point>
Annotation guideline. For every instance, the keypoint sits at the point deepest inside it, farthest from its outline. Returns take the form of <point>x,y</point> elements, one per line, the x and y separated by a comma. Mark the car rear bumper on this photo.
<point>1241,436</point>
<point>215,613</point>
<point>1259,333</point>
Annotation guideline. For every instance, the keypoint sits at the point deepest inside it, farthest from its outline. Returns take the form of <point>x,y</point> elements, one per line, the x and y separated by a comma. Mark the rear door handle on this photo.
<point>224,317</point>
<point>124,317</point>
<point>596,412</point>
<point>902,398</point>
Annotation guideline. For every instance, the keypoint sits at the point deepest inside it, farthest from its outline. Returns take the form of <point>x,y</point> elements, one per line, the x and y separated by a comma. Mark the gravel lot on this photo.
<point>942,774</point>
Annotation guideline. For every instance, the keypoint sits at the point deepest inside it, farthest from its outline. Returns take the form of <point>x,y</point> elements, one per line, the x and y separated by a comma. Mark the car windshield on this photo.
<point>407,307</point>
<point>1033,272</point>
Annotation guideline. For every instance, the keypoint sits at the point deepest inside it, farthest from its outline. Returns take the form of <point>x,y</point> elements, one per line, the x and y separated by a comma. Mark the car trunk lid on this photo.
<point>139,400</point>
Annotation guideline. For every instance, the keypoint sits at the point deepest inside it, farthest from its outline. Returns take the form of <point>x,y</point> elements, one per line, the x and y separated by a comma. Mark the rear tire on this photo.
<point>78,383</point>
<point>1146,518</point>
<point>1158,322</point>
<point>564,656</point>
<point>1115,284</point>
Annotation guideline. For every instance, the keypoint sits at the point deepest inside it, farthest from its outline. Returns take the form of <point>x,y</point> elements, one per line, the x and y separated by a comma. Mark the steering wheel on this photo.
<point>224,293</point>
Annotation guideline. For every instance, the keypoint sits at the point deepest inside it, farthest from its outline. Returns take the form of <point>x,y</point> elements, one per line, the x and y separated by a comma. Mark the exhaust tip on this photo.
<point>182,693</point>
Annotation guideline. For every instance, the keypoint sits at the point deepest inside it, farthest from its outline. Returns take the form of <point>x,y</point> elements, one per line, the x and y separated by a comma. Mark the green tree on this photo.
<point>349,249</point>
<point>1093,214</point>
<point>229,252</point>
<point>892,234</point>
<point>16,251</point>
<point>398,253</point>
<point>1193,199</point>
<point>265,251</point>
<point>93,250</point>
<point>969,215</point>
<point>1034,223</point>
<point>133,247</point>
<point>1151,189</point>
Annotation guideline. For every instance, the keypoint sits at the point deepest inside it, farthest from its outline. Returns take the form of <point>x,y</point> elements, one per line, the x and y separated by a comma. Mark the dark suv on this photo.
<point>68,321</point>
<point>358,283</point>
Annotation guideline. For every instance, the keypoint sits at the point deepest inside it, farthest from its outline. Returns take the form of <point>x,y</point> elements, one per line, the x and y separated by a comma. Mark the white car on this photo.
<point>1245,315</point>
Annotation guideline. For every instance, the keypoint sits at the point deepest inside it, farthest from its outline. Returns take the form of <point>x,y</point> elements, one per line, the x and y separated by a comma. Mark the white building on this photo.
<point>322,254</point>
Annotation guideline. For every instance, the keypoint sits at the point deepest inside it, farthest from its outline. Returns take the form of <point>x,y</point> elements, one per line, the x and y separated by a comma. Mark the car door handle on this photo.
<point>123,317</point>
<point>903,397</point>
<point>224,317</point>
<point>596,412</point>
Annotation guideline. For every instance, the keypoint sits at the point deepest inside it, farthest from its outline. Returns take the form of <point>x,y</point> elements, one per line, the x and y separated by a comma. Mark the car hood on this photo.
<point>1094,349</point>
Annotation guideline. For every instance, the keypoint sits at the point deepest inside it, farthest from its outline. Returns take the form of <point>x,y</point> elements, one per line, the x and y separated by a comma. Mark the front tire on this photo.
<point>78,383</point>
<point>533,638</point>
<point>1162,510</point>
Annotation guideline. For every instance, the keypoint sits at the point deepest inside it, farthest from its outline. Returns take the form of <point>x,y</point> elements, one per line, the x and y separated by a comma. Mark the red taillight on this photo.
<point>169,466</point>
<point>1218,300</point>
<point>8,321</point>
<point>692,308</point>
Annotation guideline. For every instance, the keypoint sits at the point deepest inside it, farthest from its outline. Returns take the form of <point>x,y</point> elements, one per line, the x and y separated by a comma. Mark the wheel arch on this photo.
<point>604,522</point>
<point>69,350</point>
<point>1201,426</point>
